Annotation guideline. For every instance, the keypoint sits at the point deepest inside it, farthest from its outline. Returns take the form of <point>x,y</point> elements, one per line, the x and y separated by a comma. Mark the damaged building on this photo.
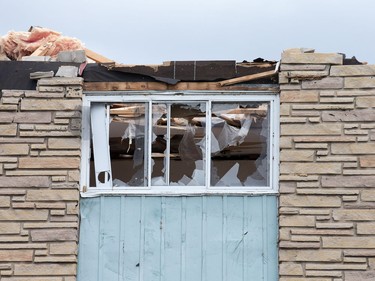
<point>188,170</point>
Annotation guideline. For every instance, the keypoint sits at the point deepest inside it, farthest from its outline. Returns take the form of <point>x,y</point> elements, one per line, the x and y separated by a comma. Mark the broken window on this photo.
<point>160,144</point>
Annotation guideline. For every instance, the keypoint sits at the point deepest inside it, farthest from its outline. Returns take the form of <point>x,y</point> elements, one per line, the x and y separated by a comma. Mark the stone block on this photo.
<point>50,134</point>
<point>74,92</point>
<point>48,269</point>
<point>352,70</point>
<point>303,67</point>
<point>289,155</point>
<point>368,195</point>
<point>16,255</point>
<point>296,221</point>
<point>60,81</point>
<point>9,228</point>
<point>367,161</point>
<point>53,195</point>
<point>325,139</point>
<point>325,232</point>
<point>46,95</point>
<point>354,215</point>
<point>353,148</point>
<point>365,102</point>
<point>61,259</point>
<point>37,181</point>
<point>293,269</point>
<point>309,201</point>
<point>299,96</point>
<point>348,181</point>
<point>51,89</point>
<point>355,93</point>
<point>324,83</point>
<point>7,117</point>
<point>357,115</point>
<point>336,266</point>
<point>14,149</point>
<point>44,225</point>
<point>359,82</point>
<point>8,130</point>
<point>323,106</point>
<point>51,128</point>
<point>63,248</point>
<point>310,255</point>
<point>49,163</point>
<point>77,56</point>
<point>64,143</point>
<point>310,168</point>
<point>54,235</point>
<point>311,58</point>
<point>360,276</point>
<point>367,228</point>
<point>33,117</point>
<point>23,215</point>
<point>299,245</point>
<point>50,104</point>
<point>337,225</point>
<point>316,129</point>
<point>348,242</point>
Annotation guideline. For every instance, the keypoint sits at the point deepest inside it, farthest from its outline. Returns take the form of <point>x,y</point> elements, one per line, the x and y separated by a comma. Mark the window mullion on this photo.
<point>148,143</point>
<point>208,144</point>
<point>168,160</point>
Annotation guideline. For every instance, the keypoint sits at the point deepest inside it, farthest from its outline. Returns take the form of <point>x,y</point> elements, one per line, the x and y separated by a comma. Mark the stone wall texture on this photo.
<point>327,168</point>
<point>39,178</point>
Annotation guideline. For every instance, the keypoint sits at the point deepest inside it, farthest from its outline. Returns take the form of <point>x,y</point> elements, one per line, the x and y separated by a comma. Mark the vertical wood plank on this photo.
<point>110,230</point>
<point>88,257</point>
<point>151,243</point>
<point>194,213</point>
<point>132,237</point>
<point>214,241</point>
<point>235,238</point>
<point>172,229</point>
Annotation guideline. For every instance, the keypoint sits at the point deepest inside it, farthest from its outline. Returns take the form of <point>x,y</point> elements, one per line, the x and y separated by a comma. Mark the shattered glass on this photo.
<point>240,144</point>
<point>127,133</point>
<point>178,145</point>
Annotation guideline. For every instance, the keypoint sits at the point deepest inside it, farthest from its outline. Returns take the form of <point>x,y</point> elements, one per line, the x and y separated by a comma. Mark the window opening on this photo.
<point>155,144</point>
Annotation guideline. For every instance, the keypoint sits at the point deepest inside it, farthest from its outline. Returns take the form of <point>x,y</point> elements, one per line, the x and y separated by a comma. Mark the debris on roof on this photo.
<point>38,41</point>
<point>43,44</point>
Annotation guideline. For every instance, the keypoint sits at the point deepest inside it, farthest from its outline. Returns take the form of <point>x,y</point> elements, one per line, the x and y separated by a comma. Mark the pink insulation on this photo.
<point>18,44</point>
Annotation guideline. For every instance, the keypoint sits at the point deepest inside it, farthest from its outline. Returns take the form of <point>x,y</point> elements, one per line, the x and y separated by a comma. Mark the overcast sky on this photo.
<point>150,32</point>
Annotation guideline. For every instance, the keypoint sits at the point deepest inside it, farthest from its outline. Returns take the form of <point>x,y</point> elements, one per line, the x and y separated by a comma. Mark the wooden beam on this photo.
<point>247,78</point>
<point>181,86</point>
<point>97,57</point>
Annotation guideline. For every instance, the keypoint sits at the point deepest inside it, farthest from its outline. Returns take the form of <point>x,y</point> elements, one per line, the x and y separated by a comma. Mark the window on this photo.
<point>173,143</point>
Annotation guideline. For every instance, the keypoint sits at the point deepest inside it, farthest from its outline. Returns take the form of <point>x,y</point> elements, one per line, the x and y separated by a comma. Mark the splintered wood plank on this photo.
<point>247,78</point>
<point>97,57</point>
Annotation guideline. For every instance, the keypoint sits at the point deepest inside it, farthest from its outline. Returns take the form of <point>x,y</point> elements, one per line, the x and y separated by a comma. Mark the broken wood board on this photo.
<point>247,78</point>
<point>97,57</point>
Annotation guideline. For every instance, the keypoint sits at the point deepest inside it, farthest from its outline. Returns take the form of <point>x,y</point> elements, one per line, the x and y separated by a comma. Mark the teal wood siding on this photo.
<point>208,238</point>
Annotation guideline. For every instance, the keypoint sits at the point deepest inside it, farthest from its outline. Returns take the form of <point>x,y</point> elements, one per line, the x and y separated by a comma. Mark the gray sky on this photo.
<point>150,32</point>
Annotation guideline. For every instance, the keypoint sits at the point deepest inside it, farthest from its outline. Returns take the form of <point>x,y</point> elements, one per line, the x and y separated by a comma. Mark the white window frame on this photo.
<point>185,96</point>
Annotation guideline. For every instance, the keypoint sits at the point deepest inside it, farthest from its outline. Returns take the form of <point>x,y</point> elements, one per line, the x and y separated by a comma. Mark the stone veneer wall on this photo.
<point>39,176</point>
<point>327,168</point>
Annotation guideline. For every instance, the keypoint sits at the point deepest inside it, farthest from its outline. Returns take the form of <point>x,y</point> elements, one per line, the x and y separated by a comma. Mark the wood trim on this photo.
<point>181,86</point>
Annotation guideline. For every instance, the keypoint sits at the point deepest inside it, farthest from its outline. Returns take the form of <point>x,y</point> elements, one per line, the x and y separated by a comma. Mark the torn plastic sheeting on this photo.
<point>134,132</point>
<point>187,148</point>
<point>230,136</point>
